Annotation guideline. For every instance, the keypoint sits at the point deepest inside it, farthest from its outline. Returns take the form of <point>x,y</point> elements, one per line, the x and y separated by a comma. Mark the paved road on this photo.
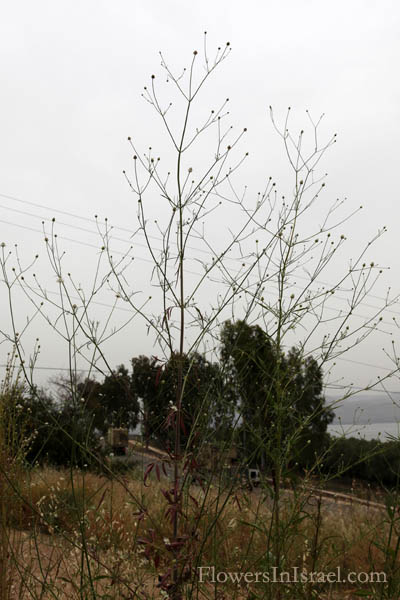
<point>330,500</point>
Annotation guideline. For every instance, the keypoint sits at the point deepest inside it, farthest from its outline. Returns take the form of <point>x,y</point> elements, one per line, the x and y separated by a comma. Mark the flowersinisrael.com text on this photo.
<point>293,575</point>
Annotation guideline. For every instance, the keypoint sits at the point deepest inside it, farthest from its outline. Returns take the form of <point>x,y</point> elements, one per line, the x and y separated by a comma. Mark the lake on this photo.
<point>368,431</point>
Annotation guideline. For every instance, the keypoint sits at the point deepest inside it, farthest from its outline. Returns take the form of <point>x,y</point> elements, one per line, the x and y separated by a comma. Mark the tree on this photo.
<point>207,407</point>
<point>145,376</point>
<point>89,391</point>
<point>112,402</point>
<point>275,240</point>
<point>259,370</point>
<point>306,410</point>
<point>51,432</point>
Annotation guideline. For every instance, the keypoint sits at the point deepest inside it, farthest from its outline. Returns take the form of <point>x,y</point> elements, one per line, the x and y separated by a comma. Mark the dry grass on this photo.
<point>79,535</point>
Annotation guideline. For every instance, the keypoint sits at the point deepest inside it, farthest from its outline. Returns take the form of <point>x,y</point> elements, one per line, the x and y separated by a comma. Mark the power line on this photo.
<point>187,270</point>
<point>359,388</point>
<point>118,227</point>
<point>65,213</point>
<point>145,260</point>
<point>84,229</point>
<point>152,262</point>
<point>61,237</point>
<point>56,210</point>
<point>327,386</point>
<point>55,369</point>
<point>358,362</point>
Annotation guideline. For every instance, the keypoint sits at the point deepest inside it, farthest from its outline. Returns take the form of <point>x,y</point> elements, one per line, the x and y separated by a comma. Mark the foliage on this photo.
<point>56,434</point>
<point>273,388</point>
<point>206,405</point>
<point>145,378</point>
<point>275,240</point>
<point>112,402</point>
<point>368,460</point>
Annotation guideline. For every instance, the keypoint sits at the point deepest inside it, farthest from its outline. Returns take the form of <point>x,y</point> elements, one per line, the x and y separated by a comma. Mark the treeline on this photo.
<point>255,397</point>
<point>252,395</point>
<point>372,461</point>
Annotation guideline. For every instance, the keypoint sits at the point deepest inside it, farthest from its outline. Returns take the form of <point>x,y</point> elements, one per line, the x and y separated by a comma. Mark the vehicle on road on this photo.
<point>118,440</point>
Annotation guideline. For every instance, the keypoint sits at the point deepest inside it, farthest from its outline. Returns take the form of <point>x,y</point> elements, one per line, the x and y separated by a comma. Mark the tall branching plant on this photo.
<point>265,269</point>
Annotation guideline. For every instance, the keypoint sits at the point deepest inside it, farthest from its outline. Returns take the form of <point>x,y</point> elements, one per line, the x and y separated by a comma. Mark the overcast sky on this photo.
<point>72,74</point>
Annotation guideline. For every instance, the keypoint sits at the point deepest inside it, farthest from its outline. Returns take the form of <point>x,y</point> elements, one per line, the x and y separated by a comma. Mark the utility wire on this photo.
<point>330,387</point>
<point>139,258</point>
<point>117,227</point>
<point>361,389</point>
<point>152,262</point>
<point>55,369</point>
<point>148,260</point>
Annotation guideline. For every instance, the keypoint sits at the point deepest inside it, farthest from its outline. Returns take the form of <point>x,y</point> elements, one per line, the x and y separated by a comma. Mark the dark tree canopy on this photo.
<point>52,432</point>
<point>112,402</point>
<point>145,378</point>
<point>279,395</point>
<point>205,404</point>
<point>279,398</point>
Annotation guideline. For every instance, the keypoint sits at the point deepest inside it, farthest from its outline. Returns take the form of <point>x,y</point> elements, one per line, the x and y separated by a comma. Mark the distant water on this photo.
<point>368,431</point>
